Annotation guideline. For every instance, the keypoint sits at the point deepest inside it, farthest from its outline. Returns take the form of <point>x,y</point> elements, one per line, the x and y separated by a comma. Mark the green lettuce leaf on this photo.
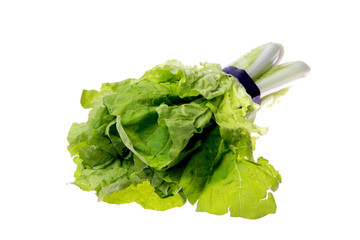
<point>125,180</point>
<point>152,127</point>
<point>241,187</point>
<point>223,177</point>
<point>144,194</point>
<point>201,164</point>
<point>88,140</point>
<point>94,179</point>
<point>234,110</point>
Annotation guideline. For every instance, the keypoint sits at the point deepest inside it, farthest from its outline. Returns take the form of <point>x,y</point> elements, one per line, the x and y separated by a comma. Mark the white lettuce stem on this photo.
<point>268,58</point>
<point>262,66</point>
<point>281,77</point>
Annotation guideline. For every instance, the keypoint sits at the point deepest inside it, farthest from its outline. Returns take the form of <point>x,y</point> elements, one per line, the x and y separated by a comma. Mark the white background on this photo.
<point>51,50</point>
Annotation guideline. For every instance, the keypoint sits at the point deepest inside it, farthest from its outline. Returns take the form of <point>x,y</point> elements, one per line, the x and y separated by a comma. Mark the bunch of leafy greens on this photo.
<point>177,133</point>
